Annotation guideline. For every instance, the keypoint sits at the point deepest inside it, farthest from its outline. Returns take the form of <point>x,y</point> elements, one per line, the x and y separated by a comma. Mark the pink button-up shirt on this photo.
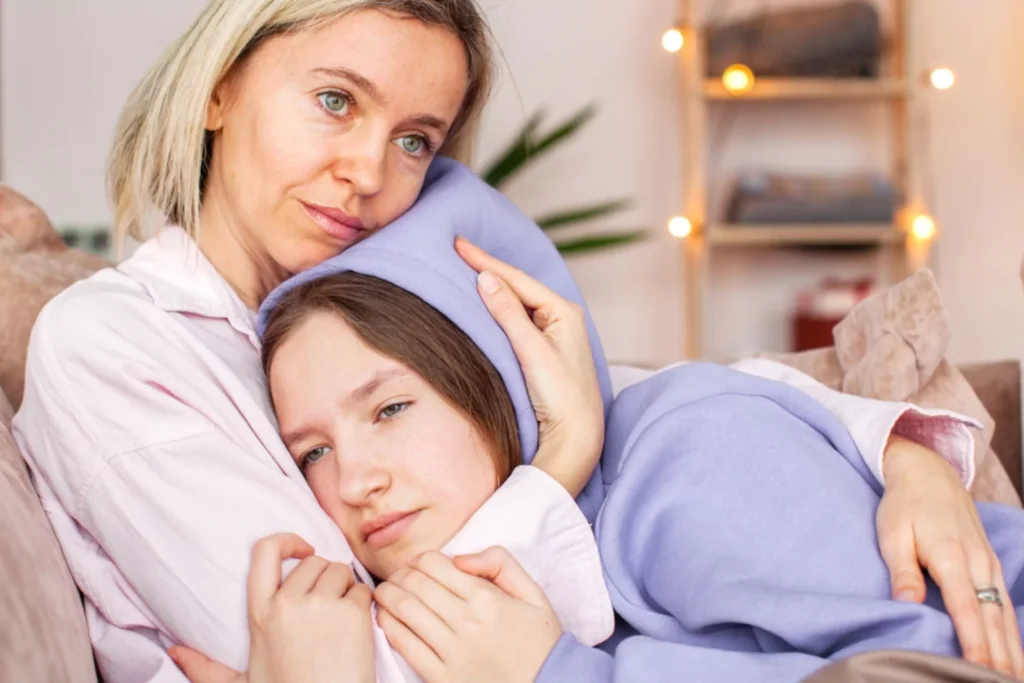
<point>151,440</point>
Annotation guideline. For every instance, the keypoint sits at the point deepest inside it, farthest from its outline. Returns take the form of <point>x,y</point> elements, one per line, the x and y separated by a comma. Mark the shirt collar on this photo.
<point>179,278</point>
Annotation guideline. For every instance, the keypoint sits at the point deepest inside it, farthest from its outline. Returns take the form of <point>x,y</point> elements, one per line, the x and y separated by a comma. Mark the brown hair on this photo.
<point>402,326</point>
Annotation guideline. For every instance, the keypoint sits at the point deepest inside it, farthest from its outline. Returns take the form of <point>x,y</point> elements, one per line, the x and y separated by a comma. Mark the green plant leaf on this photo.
<point>526,147</point>
<point>564,130</point>
<point>580,214</point>
<point>598,242</point>
<point>511,159</point>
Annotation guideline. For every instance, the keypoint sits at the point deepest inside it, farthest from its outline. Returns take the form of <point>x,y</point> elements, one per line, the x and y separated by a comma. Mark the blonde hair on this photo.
<point>158,161</point>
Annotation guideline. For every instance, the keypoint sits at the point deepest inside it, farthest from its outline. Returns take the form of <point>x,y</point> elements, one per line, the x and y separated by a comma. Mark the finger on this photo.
<point>984,569</point>
<point>411,611</point>
<point>987,572</point>
<point>995,627</point>
<point>949,570</point>
<point>530,291</point>
<point>267,555</point>
<point>499,567</point>
<point>302,579</point>
<point>198,668</point>
<point>1012,630</point>
<point>420,656</point>
<point>900,554</point>
<point>335,581</point>
<point>361,595</point>
<point>527,340</point>
<point>438,598</point>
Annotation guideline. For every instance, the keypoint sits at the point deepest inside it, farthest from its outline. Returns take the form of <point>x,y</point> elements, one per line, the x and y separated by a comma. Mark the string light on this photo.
<point>738,79</point>
<point>680,227</point>
<point>673,40</point>
<point>942,78</point>
<point>923,228</point>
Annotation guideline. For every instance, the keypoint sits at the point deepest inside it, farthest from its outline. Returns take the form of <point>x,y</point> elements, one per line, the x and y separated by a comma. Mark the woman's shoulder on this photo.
<point>103,308</point>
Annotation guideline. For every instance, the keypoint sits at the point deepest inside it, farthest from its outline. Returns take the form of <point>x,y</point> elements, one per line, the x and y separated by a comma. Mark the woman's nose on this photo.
<point>361,160</point>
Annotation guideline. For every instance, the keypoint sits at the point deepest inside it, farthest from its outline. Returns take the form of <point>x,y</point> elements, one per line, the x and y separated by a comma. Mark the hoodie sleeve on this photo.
<point>744,554</point>
<point>645,660</point>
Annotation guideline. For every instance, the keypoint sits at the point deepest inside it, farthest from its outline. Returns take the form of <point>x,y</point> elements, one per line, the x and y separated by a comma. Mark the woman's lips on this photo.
<point>336,223</point>
<point>386,529</point>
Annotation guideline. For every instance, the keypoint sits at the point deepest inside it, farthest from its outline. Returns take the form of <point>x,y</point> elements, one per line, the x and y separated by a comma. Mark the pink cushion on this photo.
<point>43,634</point>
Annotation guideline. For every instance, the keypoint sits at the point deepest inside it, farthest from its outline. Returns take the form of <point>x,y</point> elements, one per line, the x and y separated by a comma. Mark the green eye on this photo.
<point>334,102</point>
<point>412,144</point>
<point>392,409</point>
<point>314,455</point>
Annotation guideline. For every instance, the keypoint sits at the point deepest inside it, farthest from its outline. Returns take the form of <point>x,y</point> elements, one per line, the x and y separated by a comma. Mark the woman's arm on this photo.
<point>157,487</point>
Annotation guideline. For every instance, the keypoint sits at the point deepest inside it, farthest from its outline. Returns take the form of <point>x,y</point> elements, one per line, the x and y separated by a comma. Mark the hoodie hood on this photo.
<point>417,253</point>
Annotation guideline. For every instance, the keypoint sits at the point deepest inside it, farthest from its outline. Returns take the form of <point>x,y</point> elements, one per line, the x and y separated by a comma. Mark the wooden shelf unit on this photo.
<point>809,89</point>
<point>701,94</point>
<point>801,235</point>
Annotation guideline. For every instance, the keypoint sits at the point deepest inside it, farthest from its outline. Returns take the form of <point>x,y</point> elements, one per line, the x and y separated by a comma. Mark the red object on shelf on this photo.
<point>819,310</point>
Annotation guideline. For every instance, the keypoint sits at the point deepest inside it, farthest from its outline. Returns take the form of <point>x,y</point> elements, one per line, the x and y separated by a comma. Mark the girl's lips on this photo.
<point>386,529</point>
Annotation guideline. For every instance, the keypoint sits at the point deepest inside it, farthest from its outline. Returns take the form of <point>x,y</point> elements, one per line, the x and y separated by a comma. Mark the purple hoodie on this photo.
<point>734,515</point>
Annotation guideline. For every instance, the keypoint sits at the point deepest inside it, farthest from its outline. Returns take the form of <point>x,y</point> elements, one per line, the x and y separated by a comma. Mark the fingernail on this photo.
<point>906,595</point>
<point>487,282</point>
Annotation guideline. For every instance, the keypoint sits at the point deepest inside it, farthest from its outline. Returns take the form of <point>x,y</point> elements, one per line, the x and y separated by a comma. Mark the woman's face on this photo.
<point>397,467</point>
<point>325,135</point>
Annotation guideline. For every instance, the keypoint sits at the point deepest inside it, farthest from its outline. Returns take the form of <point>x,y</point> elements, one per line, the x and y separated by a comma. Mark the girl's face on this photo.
<point>325,135</point>
<point>397,467</point>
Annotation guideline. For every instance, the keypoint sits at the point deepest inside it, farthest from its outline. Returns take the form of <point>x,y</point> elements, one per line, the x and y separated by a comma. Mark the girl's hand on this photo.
<point>477,618</point>
<point>308,629</point>
<point>928,519</point>
<point>549,337</point>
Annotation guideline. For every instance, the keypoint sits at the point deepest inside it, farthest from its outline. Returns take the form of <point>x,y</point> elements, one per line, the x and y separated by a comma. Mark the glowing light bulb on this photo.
<point>922,228</point>
<point>673,40</point>
<point>738,79</point>
<point>680,227</point>
<point>942,78</point>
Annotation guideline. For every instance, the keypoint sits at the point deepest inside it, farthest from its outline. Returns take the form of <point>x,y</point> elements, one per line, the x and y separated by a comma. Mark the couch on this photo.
<point>43,636</point>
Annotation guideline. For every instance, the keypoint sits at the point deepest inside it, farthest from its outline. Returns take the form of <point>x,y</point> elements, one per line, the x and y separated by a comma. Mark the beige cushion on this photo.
<point>892,666</point>
<point>35,266</point>
<point>43,635</point>
<point>892,346</point>
<point>26,223</point>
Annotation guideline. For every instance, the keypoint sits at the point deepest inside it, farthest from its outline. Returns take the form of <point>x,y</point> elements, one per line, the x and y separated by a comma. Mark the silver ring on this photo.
<point>990,596</point>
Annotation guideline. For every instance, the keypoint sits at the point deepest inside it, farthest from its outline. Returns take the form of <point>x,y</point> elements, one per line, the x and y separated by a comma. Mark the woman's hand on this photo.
<point>477,618</point>
<point>549,337</point>
<point>305,630</point>
<point>928,519</point>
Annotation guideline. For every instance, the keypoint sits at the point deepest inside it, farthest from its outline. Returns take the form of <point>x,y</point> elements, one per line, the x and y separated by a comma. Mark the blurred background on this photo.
<point>877,155</point>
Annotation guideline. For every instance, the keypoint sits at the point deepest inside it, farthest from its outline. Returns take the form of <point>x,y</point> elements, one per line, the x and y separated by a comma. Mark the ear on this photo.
<point>216,107</point>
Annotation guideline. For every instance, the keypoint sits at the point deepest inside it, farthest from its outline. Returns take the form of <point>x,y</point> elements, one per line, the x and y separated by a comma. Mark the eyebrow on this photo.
<point>366,389</point>
<point>371,90</point>
<point>360,393</point>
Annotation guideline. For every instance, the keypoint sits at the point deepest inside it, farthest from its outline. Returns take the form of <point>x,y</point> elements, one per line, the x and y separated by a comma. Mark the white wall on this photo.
<point>67,66</point>
<point>609,50</point>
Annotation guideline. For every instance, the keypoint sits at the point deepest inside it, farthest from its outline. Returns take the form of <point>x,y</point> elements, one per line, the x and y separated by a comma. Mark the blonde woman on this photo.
<point>272,135</point>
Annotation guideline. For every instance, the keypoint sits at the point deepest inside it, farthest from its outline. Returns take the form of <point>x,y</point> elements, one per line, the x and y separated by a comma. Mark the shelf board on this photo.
<point>810,89</point>
<point>800,235</point>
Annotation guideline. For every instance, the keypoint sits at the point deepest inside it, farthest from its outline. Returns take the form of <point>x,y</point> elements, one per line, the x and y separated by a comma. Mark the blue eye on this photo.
<point>392,409</point>
<point>415,145</point>
<point>314,455</point>
<point>335,102</point>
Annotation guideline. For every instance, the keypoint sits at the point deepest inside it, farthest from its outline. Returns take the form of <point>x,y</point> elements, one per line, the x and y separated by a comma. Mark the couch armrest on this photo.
<point>998,385</point>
